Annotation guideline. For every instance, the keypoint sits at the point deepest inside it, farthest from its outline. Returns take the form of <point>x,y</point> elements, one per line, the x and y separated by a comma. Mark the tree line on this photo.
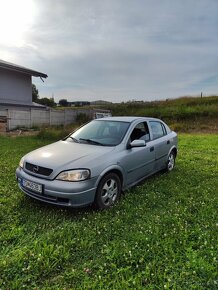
<point>46,101</point>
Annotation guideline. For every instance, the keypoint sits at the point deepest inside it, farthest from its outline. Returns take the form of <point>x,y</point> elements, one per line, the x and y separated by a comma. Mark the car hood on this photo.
<point>63,155</point>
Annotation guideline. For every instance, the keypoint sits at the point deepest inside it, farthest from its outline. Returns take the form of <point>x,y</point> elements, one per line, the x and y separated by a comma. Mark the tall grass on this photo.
<point>184,114</point>
<point>177,109</point>
<point>56,133</point>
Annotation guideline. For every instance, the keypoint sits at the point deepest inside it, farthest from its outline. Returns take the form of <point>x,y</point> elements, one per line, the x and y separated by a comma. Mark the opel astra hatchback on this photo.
<point>98,161</point>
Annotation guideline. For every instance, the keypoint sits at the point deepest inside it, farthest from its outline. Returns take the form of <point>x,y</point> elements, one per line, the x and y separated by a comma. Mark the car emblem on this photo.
<point>35,168</point>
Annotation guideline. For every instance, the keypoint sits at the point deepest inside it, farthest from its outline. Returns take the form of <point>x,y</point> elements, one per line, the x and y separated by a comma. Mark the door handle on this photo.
<point>152,149</point>
<point>168,141</point>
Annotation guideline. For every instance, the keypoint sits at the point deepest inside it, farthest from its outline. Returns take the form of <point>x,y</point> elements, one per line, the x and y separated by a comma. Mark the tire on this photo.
<point>108,191</point>
<point>171,161</point>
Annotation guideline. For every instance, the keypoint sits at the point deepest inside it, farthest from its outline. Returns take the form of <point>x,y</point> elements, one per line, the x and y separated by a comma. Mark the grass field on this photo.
<point>162,234</point>
<point>186,114</point>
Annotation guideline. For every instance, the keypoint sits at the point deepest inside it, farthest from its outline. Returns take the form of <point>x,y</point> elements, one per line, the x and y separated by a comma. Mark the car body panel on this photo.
<point>137,162</point>
<point>64,155</point>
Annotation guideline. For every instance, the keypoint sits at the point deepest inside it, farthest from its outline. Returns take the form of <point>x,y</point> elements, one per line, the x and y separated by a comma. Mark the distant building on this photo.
<point>79,103</point>
<point>16,85</point>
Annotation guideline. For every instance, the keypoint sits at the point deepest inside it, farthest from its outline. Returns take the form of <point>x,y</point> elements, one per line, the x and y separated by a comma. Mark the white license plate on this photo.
<point>32,185</point>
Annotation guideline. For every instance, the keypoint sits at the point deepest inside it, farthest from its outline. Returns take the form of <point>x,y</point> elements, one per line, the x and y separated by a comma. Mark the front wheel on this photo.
<point>108,191</point>
<point>171,161</point>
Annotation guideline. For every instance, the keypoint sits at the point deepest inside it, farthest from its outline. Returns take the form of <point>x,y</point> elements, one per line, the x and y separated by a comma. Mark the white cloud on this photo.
<point>121,49</point>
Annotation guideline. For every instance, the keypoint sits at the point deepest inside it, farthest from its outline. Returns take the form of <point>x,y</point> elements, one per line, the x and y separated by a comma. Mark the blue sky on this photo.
<point>114,50</point>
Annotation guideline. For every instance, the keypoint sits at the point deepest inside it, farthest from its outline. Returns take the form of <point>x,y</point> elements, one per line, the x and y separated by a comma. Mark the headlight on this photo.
<point>74,175</point>
<point>21,163</point>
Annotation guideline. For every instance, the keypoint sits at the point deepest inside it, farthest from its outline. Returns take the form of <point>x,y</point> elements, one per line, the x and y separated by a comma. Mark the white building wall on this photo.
<point>15,87</point>
<point>3,113</point>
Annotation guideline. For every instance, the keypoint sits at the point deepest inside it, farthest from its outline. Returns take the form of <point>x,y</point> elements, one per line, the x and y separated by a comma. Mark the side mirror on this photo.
<point>137,143</point>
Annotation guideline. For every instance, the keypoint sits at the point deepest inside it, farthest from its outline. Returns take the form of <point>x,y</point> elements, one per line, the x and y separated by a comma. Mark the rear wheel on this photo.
<point>108,191</point>
<point>171,161</point>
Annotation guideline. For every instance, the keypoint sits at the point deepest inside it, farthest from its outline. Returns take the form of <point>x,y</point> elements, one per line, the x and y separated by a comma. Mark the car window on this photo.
<point>140,132</point>
<point>108,133</point>
<point>158,129</point>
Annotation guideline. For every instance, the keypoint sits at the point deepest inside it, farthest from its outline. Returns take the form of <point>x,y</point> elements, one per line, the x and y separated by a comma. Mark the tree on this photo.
<point>63,103</point>
<point>35,93</point>
<point>43,101</point>
<point>47,102</point>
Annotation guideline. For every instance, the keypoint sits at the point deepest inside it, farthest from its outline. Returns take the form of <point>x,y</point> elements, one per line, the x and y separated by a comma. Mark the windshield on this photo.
<point>101,132</point>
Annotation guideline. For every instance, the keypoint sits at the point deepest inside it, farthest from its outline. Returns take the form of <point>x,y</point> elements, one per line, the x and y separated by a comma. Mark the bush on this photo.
<point>82,118</point>
<point>55,133</point>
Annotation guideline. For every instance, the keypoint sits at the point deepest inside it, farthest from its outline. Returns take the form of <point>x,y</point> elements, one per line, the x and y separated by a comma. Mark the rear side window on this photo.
<point>158,129</point>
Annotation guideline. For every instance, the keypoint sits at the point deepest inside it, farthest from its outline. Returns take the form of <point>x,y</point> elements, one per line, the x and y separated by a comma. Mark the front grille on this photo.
<point>38,169</point>
<point>48,198</point>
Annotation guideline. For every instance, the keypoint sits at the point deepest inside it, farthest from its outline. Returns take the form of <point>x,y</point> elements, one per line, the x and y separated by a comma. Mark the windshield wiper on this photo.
<point>91,141</point>
<point>74,139</point>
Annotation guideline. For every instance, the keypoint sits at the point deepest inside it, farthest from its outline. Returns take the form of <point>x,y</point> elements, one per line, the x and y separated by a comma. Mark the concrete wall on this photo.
<point>30,117</point>
<point>3,113</point>
<point>15,87</point>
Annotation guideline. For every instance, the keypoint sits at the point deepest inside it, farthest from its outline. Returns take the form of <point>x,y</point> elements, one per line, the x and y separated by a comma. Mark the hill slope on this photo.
<point>183,114</point>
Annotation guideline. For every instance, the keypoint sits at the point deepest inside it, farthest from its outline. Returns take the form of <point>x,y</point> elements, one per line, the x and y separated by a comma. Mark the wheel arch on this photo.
<point>174,150</point>
<point>117,170</point>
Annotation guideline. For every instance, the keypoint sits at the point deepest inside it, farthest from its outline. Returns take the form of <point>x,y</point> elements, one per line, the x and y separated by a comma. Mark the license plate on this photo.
<point>32,185</point>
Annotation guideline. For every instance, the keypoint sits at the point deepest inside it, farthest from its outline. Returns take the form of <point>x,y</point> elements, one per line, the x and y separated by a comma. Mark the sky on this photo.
<point>114,50</point>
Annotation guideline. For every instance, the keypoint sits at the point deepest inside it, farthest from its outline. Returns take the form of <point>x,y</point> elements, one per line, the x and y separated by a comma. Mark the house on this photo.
<point>16,104</point>
<point>17,109</point>
<point>16,85</point>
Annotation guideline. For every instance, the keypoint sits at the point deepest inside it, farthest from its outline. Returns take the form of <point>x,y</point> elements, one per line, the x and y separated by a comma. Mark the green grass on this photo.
<point>185,114</point>
<point>162,234</point>
<point>178,109</point>
<point>182,114</point>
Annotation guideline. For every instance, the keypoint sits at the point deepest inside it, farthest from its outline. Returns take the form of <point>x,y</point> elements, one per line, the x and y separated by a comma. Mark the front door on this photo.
<point>138,162</point>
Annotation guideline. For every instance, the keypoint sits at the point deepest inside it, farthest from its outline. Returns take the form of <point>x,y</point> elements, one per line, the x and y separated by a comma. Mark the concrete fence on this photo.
<point>30,117</point>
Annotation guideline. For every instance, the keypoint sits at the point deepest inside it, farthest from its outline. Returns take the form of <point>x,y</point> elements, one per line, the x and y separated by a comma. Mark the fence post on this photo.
<point>65,118</point>
<point>50,117</point>
<point>8,120</point>
<point>31,121</point>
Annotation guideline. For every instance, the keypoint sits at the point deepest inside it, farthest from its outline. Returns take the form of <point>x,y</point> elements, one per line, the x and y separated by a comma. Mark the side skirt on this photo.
<point>139,180</point>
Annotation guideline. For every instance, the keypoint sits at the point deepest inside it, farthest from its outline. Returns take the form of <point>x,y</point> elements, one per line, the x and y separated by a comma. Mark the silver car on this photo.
<point>98,161</point>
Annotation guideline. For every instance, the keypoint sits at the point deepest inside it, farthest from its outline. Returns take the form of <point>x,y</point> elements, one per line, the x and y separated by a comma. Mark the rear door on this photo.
<point>161,142</point>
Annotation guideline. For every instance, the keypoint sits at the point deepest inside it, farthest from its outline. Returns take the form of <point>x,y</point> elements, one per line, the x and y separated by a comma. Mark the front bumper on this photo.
<point>68,194</point>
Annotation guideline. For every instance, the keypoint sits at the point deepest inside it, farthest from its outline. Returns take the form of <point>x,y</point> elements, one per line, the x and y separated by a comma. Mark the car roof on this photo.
<point>128,119</point>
